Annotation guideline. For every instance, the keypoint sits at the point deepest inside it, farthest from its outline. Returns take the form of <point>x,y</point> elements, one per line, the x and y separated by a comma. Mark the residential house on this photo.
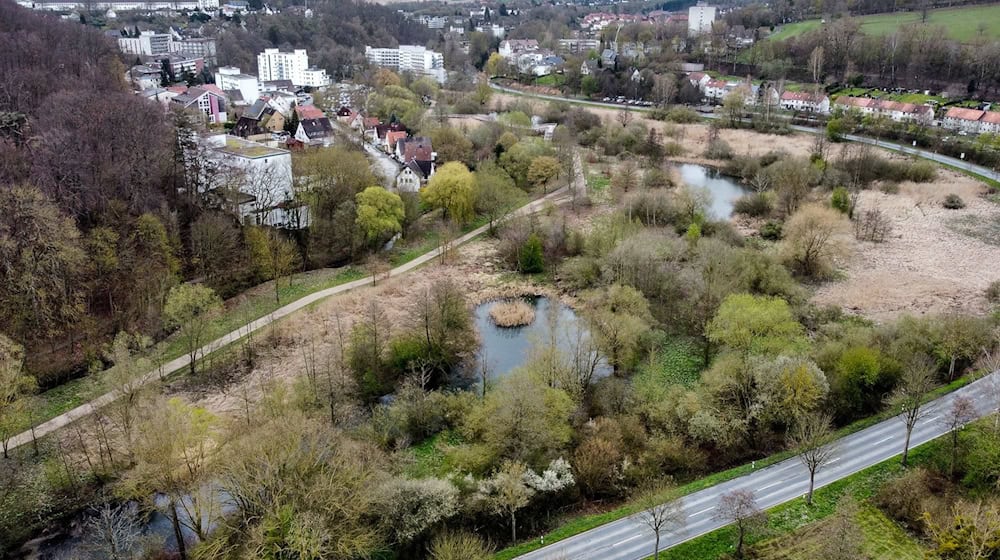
<point>259,118</point>
<point>345,115</point>
<point>162,95</point>
<point>579,46</point>
<point>972,121</point>
<point>417,148</point>
<point>511,47</point>
<point>893,110</point>
<point>252,180</point>
<point>315,132</point>
<point>309,112</point>
<point>801,101</point>
<point>609,58</point>
<point>715,89</point>
<point>588,67</point>
<point>392,138</point>
<point>411,176</point>
<point>382,130</point>
<point>144,77</point>
<point>699,80</point>
<point>209,103</point>
<point>963,119</point>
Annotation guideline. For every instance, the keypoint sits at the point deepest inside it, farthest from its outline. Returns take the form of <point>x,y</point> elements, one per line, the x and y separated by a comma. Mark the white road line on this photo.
<point>633,537</point>
<point>885,439</point>
<point>762,488</point>
<point>697,513</point>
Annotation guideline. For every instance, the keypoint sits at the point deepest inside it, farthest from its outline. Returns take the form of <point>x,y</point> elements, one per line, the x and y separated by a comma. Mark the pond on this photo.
<point>506,349</point>
<point>725,190</point>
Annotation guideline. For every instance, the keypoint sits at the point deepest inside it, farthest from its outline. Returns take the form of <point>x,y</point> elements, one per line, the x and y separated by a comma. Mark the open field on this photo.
<point>963,24</point>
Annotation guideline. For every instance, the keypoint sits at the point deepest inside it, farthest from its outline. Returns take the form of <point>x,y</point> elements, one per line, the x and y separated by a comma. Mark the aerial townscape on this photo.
<point>499,280</point>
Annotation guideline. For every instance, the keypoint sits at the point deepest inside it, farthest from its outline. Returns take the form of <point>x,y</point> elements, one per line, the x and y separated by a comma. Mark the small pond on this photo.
<point>506,349</point>
<point>724,189</point>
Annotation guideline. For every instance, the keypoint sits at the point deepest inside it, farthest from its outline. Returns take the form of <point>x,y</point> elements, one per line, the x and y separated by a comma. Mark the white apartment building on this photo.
<point>409,58</point>
<point>148,43</point>
<point>272,65</point>
<point>121,5</point>
<point>700,18</point>
<point>230,78</point>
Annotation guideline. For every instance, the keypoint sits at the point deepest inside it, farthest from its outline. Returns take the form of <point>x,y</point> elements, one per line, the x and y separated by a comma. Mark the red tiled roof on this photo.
<point>309,112</point>
<point>964,113</point>
<point>392,137</point>
<point>991,117</point>
<point>177,89</point>
<point>716,83</point>
<point>802,96</point>
<point>696,76</point>
<point>861,102</point>
<point>214,89</point>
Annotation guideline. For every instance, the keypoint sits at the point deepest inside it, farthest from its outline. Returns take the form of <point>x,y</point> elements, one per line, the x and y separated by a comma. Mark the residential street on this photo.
<point>631,539</point>
<point>955,162</point>
<point>84,410</point>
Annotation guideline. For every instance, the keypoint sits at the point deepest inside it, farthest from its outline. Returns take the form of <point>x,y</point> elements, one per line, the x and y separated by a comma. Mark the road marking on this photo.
<point>633,537</point>
<point>883,440</point>
<point>762,488</point>
<point>701,512</point>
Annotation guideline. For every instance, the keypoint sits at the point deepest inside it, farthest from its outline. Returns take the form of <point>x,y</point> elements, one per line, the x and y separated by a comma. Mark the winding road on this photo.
<point>558,196</point>
<point>631,539</point>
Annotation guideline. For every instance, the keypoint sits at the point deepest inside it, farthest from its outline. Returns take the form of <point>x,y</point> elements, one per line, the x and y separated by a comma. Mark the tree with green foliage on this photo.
<point>496,195</point>
<point>189,309</point>
<point>14,388</point>
<point>757,325</point>
<point>507,493</point>
<point>618,317</point>
<point>452,145</point>
<point>840,200</point>
<point>542,170</point>
<point>452,188</point>
<point>380,213</point>
<point>273,256</point>
<point>42,262</point>
<point>530,259</point>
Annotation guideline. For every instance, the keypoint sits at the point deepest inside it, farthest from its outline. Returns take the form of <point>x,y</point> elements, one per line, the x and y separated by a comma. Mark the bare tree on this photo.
<point>961,412</point>
<point>812,440</point>
<point>739,507</point>
<point>115,533</point>
<point>661,517</point>
<point>989,363</point>
<point>917,381</point>
<point>624,117</point>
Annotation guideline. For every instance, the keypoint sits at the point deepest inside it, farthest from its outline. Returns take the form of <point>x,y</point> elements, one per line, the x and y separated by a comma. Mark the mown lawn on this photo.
<point>963,24</point>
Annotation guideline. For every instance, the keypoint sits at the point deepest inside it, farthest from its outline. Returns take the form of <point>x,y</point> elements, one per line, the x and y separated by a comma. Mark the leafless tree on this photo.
<point>115,533</point>
<point>812,440</point>
<point>740,508</point>
<point>662,518</point>
<point>961,412</point>
<point>916,382</point>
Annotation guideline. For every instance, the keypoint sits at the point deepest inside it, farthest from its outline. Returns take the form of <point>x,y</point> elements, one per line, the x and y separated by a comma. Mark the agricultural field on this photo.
<point>963,24</point>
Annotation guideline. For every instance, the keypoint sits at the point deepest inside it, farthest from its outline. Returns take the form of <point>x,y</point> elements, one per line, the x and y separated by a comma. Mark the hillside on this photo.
<point>963,24</point>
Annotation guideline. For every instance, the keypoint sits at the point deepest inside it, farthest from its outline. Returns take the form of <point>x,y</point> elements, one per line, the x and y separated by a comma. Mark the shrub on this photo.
<point>672,149</point>
<point>993,292</point>
<point>755,205</point>
<point>656,178</point>
<point>772,230</point>
<point>719,149</point>
<point>841,200</point>
<point>580,272</point>
<point>953,202</point>
<point>872,225</point>
<point>514,313</point>
<point>921,172</point>
<point>889,187</point>
<point>681,115</point>
<point>530,260</point>
<point>903,498</point>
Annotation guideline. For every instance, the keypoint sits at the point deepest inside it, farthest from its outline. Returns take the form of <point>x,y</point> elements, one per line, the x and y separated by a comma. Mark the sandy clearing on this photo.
<point>925,267</point>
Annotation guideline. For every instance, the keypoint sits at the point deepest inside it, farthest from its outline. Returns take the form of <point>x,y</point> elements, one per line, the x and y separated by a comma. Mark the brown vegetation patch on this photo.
<point>509,314</point>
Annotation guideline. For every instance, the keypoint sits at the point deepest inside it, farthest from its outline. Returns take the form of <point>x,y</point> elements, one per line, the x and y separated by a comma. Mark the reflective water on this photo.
<point>505,349</point>
<point>724,189</point>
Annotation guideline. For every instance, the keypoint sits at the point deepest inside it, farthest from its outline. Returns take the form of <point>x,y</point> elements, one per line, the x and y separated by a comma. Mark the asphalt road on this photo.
<point>631,539</point>
<point>84,410</point>
<point>955,162</point>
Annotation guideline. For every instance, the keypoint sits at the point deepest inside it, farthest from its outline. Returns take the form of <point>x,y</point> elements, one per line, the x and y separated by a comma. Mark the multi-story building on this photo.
<point>229,78</point>
<point>409,58</point>
<point>805,101</point>
<point>700,18</point>
<point>148,43</point>
<point>200,47</point>
<point>122,5</point>
<point>893,110</point>
<point>274,65</point>
<point>971,121</point>
<point>578,46</point>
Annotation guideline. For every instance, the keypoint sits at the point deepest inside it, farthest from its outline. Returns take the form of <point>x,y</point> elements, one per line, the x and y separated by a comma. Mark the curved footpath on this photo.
<point>631,539</point>
<point>85,410</point>
<point>946,160</point>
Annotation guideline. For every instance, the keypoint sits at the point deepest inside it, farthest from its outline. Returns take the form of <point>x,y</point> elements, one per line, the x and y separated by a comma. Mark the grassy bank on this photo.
<point>961,24</point>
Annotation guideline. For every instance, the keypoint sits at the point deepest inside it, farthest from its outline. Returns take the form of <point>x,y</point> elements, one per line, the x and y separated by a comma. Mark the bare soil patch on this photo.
<point>926,266</point>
